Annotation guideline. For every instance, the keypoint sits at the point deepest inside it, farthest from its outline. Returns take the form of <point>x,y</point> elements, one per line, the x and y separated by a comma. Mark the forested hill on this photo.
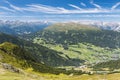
<point>15,57</point>
<point>40,53</point>
<point>71,33</point>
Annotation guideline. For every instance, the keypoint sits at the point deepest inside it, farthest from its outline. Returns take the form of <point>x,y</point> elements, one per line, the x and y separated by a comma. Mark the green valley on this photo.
<point>68,50</point>
<point>84,44</point>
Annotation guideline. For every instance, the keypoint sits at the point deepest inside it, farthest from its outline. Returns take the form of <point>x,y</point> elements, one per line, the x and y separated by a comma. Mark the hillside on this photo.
<point>42,54</point>
<point>18,57</point>
<point>63,47</point>
<point>57,50</point>
<point>69,26</point>
<point>111,65</point>
<point>12,56</point>
<point>7,75</point>
<point>70,36</point>
<point>89,44</point>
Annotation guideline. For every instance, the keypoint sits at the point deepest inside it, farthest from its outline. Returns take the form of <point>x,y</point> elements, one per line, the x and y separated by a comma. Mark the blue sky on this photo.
<point>60,10</point>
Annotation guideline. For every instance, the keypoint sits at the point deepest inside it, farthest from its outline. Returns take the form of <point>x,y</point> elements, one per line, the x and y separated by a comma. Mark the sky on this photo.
<point>60,10</point>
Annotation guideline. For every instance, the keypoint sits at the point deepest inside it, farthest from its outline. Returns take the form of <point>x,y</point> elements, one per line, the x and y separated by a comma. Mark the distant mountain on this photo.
<point>71,33</point>
<point>79,42</point>
<point>20,28</point>
<point>61,27</point>
<point>115,26</point>
<point>69,44</point>
<point>108,26</point>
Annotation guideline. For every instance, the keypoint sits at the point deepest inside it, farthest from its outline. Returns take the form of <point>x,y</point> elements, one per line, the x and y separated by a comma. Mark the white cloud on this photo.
<point>59,10</point>
<point>83,4</point>
<point>38,8</point>
<point>96,5</point>
<point>115,6</point>
<point>74,6</point>
<point>7,9</point>
<point>45,9</point>
<point>13,6</point>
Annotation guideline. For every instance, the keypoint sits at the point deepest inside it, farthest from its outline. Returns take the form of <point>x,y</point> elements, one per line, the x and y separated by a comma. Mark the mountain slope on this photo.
<point>67,34</point>
<point>69,26</point>
<point>18,57</point>
<point>40,53</point>
<point>114,26</point>
<point>112,65</point>
<point>14,55</point>
<point>92,45</point>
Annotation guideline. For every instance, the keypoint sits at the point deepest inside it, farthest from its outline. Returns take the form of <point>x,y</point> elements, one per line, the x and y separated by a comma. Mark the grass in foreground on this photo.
<point>30,75</point>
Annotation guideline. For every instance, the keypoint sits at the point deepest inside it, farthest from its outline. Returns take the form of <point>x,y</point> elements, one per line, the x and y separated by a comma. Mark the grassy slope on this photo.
<point>39,52</point>
<point>71,33</point>
<point>85,51</point>
<point>72,48</point>
<point>6,75</point>
<point>8,55</point>
<point>30,75</point>
<point>83,42</point>
<point>112,65</point>
<point>16,56</point>
<point>69,26</point>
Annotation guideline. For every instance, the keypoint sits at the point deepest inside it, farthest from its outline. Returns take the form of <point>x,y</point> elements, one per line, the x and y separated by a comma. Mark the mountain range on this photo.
<point>24,27</point>
<point>21,28</point>
<point>60,47</point>
<point>115,26</point>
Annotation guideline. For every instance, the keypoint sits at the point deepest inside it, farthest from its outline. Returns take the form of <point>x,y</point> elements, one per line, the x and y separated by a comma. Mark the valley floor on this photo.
<point>6,75</point>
